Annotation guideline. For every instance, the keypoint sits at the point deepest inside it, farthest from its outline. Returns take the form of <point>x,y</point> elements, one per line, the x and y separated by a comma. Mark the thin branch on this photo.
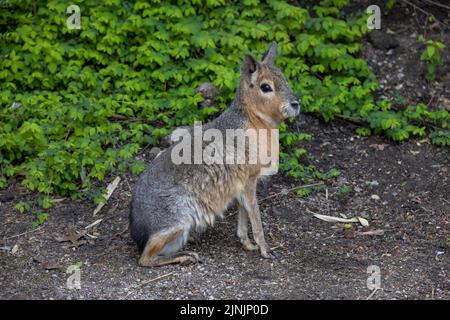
<point>24,233</point>
<point>147,282</point>
<point>416,7</point>
<point>431,99</point>
<point>438,4</point>
<point>118,117</point>
<point>290,189</point>
<point>354,121</point>
<point>423,11</point>
<point>372,294</point>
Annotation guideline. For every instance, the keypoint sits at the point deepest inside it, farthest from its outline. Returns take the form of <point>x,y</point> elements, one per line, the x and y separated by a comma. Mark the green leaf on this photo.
<point>137,167</point>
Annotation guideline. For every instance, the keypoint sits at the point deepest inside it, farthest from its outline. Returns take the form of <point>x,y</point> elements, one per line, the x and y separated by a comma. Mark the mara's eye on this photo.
<point>266,88</point>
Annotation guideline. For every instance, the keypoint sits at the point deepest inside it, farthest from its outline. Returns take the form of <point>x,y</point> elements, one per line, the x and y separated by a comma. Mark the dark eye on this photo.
<point>266,88</point>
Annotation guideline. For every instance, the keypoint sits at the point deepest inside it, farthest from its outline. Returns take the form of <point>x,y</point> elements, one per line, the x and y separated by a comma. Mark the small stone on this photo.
<point>155,151</point>
<point>209,92</point>
<point>373,183</point>
<point>375,197</point>
<point>381,40</point>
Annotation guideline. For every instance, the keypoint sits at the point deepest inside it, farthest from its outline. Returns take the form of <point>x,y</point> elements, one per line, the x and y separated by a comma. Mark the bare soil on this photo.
<point>402,189</point>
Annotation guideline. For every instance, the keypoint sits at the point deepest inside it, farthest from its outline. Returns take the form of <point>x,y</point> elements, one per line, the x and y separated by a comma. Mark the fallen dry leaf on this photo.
<point>378,232</point>
<point>96,222</point>
<point>47,265</point>
<point>73,236</point>
<point>110,189</point>
<point>363,221</point>
<point>14,249</point>
<point>379,147</point>
<point>323,217</point>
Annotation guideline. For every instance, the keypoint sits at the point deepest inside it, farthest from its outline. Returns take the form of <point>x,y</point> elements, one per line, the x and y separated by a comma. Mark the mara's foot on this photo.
<point>182,258</point>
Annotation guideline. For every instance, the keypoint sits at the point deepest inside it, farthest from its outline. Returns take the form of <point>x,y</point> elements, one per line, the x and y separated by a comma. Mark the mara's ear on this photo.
<point>248,68</point>
<point>271,54</point>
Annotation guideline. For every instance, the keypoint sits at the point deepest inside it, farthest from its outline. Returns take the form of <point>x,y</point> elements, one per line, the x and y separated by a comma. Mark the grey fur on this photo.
<point>177,200</point>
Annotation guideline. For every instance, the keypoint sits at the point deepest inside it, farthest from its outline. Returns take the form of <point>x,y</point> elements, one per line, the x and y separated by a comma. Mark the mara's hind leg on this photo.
<point>162,249</point>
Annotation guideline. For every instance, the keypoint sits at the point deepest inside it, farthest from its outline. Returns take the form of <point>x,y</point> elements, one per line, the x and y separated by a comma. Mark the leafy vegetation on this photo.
<point>77,104</point>
<point>35,208</point>
<point>390,4</point>
<point>432,56</point>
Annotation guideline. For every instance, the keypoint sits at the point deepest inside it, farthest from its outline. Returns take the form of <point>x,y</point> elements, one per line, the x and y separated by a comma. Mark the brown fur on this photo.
<point>170,201</point>
<point>150,258</point>
<point>255,104</point>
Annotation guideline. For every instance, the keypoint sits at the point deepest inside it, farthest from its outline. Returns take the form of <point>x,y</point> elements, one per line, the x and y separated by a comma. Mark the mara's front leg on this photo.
<point>249,205</point>
<point>242,229</point>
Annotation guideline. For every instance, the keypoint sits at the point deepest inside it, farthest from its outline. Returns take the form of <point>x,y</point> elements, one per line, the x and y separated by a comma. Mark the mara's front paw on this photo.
<point>248,245</point>
<point>265,252</point>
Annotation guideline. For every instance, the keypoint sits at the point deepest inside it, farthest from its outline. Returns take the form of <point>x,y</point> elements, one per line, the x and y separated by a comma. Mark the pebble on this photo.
<point>375,197</point>
<point>155,151</point>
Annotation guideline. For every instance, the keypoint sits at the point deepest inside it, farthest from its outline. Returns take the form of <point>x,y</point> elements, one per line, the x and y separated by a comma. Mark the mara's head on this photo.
<point>265,91</point>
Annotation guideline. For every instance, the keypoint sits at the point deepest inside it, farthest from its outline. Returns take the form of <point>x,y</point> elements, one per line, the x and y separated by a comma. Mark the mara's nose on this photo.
<point>295,105</point>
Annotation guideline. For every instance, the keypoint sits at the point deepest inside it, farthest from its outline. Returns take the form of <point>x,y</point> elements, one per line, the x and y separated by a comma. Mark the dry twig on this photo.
<point>24,233</point>
<point>147,282</point>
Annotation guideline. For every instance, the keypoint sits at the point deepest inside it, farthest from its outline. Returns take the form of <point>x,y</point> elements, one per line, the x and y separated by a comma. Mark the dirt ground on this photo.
<point>402,189</point>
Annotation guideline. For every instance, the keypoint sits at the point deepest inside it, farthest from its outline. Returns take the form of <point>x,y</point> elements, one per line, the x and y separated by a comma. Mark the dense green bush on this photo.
<point>78,104</point>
